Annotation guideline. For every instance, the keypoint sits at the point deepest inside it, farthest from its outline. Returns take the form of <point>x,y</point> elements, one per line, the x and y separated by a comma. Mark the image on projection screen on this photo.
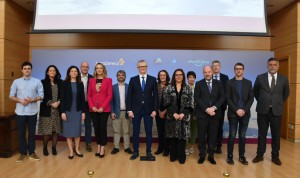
<point>170,15</point>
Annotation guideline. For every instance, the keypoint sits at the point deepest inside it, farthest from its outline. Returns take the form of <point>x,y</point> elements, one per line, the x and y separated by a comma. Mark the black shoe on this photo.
<point>114,151</point>
<point>134,155</point>
<point>201,160</point>
<point>212,160</point>
<point>276,161</point>
<point>102,156</point>
<point>230,160</point>
<point>79,154</point>
<point>166,153</point>
<point>243,160</point>
<point>150,156</point>
<point>257,159</point>
<point>158,152</point>
<point>97,154</point>
<point>54,152</point>
<point>88,147</point>
<point>45,151</point>
<point>173,159</point>
<point>218,150</point>
<point>128,150</point>
<point>71,157</point>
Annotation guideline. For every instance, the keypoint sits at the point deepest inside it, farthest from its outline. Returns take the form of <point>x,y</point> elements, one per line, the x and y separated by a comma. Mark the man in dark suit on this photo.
<point>239,97</point>
<point>142,102</point>
<point>85,77</point>
<point>209,97</point>
<point>271,90</point>
<point>216,66</point>
<point>119,117</point>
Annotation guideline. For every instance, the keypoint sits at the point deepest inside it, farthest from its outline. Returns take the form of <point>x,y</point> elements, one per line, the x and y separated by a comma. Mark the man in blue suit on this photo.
<point>119,116</point>
<point>142,102</point>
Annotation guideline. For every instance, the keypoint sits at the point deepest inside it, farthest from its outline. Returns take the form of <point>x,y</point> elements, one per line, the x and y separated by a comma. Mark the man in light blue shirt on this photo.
<point>26,91</point>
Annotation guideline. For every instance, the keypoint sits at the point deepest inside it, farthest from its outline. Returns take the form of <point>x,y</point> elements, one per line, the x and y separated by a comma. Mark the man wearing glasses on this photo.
<point>142,102</point>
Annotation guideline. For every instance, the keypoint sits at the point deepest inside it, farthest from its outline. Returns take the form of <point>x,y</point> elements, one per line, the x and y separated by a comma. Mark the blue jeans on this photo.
<point>30,123</point>
<point>234,123</point>
<point>88,125</point>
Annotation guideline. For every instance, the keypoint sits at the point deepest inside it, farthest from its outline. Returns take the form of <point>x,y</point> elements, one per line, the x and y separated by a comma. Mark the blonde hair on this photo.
<point>104,70</point>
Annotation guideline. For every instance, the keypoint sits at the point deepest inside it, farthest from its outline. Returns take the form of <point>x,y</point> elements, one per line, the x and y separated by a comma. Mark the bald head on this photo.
<point>84,67</point>
<point>207,72</point>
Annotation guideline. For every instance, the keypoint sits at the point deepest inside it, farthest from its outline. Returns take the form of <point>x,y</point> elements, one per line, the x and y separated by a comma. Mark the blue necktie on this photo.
<point>143,83</point>
<point>209,87</point>
<point>216,77</point>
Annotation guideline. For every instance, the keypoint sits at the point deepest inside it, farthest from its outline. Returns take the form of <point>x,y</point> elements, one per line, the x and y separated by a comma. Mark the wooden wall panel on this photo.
<point>1,58</point>
<point>7,106</point>
<point>149,41</point>
<point>2,16</point>
<point>17,22</point>
<point>283,26</point>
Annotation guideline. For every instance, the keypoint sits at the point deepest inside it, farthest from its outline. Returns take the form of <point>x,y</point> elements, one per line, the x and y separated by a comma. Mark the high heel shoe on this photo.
<point>54,152</point>
<point>79,154</point>
<point>45,151</point>
<point>102,156</point>
<point>71,157</point>
<point>97,154</point>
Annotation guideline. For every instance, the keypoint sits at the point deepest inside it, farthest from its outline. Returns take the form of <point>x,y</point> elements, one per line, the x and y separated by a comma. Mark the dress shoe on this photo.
<point>97,154</point>
<point>166,153</point>
<point>102,156</point>
<point>71,157</point>
<point>243,160</point>
<point>114,151</point>
<point>173,159</point>
<point>212,160</point>
<point>128,150</point>
<point>218,150</point>
<point>54,152</point>
<point>276,161</point>
<point>158,152</point>
<point>201,160</point>
<point>230,160</point>
<point>134,155</point>
<point>150,156</point>
<point>257,159</point>
<point>45,151</point>
<point>88,147</point>
<point>79,154</point>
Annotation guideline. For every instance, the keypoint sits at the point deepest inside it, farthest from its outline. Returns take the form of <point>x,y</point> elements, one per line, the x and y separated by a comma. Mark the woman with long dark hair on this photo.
<point>49,121</point>
<point>72,108</point>
<point>178,102</point>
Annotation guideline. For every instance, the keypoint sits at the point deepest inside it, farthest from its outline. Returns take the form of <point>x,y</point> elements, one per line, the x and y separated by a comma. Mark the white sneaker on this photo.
<point>187,152</point>
<point>191,150</point>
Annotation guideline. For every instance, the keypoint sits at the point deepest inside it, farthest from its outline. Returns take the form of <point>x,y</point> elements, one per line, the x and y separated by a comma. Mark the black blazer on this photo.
<point>66,98</point>
<point>265,98</point>
<point>135,96</point>
<point>45,108</point>
<point>224,79</point>
<point>204,99</point>
<point>232,97</point>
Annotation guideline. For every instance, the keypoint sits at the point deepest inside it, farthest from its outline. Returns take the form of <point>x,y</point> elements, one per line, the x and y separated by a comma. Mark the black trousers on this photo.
<point>163,142</point>
<point>100,126</point>
<point>220,130</point>
<point>177,149</point>
<point>263,122</point>
<point>207,126</point>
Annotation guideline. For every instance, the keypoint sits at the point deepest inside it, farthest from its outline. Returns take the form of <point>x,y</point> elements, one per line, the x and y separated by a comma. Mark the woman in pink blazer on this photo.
<point>99,97</point>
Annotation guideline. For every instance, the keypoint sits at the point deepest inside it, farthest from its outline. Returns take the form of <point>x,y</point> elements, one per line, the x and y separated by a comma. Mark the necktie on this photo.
<point>143,83</point>
<point>272,83</point>
<point>216,77</point>
<point>209,87</point>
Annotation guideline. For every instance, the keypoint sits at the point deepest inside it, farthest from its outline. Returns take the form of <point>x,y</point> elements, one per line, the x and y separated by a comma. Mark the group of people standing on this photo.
<point>180,109</point>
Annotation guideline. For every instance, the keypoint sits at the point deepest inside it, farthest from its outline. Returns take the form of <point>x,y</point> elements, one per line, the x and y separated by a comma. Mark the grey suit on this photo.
<point>269,110</point>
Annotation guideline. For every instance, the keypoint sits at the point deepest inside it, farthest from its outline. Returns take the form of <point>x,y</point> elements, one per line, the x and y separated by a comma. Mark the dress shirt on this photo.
<point>84,80</point>
<point>122,96</point>
<point>270,78</point>
<point>218,76</point>
<point>23,88</point>
<point>141,79</point>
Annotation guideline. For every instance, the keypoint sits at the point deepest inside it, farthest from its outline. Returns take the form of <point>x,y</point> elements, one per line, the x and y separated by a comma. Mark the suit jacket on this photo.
<point>101,98</point>
<point>232,97</point>
<point>66,97</point>
<point>45,108</point>
<point>224,79</point>
<point>136,98</point>
<point>265,98</point>
<point>115,102</point>
<point>204,99</point>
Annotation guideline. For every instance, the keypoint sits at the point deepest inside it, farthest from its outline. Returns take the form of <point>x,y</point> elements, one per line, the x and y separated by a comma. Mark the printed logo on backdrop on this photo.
<point>198,63</point>
<point>120,62</point>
